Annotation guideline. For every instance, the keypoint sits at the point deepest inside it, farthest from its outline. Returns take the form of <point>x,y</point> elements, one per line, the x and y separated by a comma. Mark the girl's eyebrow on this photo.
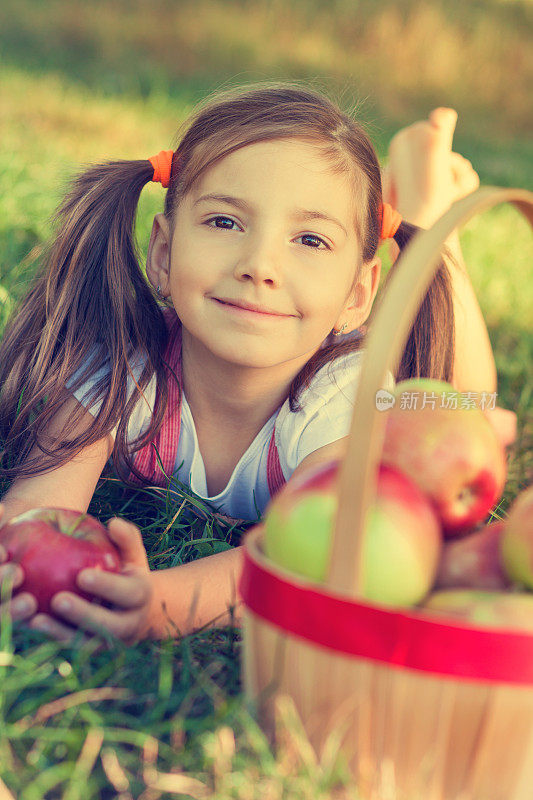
<point>298,213</point>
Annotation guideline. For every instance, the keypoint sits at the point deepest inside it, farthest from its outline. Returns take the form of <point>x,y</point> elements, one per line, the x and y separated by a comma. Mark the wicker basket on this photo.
<point>427,709</point>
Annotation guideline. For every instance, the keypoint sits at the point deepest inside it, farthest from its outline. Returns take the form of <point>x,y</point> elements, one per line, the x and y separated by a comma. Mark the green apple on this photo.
<point>402,543</point>
<point>423,385</point>
<point>301,542</point>
<point>517,541</point>
<point>513,610</point>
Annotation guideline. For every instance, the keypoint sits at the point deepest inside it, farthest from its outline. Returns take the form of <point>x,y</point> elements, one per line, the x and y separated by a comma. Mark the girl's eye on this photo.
<point>221,226</point>
<point>316,238</point>
<point>303,236</point>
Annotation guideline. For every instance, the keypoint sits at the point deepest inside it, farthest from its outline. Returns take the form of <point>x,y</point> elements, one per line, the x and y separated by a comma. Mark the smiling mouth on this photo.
<point>249,312</point>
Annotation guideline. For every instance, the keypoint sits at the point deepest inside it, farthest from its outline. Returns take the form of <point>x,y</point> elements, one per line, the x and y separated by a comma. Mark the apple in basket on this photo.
<point>402,545</point>
<point>453,453</point>
<point>474,560</point>
<point>510,610</point>
<point>52,545</point>
<point>517,541</point>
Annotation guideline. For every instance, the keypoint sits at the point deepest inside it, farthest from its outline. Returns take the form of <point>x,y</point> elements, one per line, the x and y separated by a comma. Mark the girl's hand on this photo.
<point>424,177</point>
<point>130,592</point>
<point>24,605</point>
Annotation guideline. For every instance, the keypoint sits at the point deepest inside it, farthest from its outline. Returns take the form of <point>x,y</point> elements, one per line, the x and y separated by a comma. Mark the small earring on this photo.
<point>158,291</point>
<point>338,333</point>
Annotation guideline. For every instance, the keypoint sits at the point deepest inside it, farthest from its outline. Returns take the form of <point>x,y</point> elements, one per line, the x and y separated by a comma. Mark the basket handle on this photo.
<point>396,312</point>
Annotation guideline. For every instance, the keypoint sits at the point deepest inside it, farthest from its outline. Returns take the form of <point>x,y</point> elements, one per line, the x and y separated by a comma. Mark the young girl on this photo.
<point>274,201</point>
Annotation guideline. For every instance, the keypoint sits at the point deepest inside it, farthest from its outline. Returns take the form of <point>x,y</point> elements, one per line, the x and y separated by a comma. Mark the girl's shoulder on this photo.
<point>336,381</point>
<point>326,411</point>
<point>90,382</point>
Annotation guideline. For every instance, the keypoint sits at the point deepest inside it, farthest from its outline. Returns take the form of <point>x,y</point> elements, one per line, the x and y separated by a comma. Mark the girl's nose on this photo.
<point>261,260</point>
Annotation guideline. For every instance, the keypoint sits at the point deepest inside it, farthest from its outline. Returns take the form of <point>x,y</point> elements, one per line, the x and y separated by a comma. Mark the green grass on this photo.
<point>400,54</point>
<point>74,90</point>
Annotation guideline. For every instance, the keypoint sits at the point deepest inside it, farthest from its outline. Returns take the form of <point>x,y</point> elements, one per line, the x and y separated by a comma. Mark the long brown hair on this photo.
<point>91,296</point>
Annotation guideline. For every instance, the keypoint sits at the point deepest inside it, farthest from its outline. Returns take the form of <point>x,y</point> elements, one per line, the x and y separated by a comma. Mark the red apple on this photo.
<point>453,454</point>
<point>517,541</point>
<point>402,544</point>
<point>52,545</point>
<point>473,561</point>
<point>512,610</point>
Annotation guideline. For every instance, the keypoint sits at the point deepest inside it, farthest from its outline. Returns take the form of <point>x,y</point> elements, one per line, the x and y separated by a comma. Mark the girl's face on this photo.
<point>278,231</point>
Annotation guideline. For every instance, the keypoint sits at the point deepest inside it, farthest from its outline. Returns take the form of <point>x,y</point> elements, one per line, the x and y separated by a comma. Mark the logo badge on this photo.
<point>384,400</point>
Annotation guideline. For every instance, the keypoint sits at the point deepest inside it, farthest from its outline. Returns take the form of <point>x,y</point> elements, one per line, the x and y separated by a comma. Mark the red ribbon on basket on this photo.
<point>410,641</point>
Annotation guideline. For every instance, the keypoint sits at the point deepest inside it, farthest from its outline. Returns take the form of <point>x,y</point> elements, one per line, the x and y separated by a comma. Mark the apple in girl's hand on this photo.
<point>52,545</point>
<point>453,454</point>
<point>494,609</point>
<point>517,541</point>
<point>402,544</point>
<point>473,561</point>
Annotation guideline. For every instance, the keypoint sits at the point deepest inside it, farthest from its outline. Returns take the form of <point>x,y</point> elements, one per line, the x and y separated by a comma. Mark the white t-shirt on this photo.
<point>327,406</point>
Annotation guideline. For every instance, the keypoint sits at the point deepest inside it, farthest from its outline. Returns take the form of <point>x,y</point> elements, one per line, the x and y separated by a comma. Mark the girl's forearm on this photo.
<point>474,365</point>
<point>196,595</point>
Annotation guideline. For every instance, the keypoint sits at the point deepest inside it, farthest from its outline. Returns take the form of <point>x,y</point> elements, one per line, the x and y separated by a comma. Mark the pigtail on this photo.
<point>90,300</point>
<point>429,351</point>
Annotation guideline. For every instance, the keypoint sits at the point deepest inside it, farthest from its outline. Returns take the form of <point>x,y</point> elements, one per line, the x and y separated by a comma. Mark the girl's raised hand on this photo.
<point>130,592</point>
<point>424,176</point>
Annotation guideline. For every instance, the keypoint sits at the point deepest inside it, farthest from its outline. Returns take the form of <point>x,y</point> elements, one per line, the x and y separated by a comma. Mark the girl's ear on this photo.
<point>371,275</point>
<point>158,257</point>
<point>362,298</point>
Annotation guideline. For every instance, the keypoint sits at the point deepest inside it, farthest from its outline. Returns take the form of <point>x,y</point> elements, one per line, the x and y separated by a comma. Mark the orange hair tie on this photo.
<point>390,221</point>
<point>162,164</point>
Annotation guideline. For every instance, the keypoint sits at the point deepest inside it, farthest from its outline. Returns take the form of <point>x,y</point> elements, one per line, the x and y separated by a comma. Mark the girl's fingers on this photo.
<point>122,624</point>
<point>21,607</point>
<point>11,573</point>
<point>52,627</point>
<point>460,162</point>
<point>445,120</point>
<point>465,177</point>
<point>128,539</point>
<point>126,591</point>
